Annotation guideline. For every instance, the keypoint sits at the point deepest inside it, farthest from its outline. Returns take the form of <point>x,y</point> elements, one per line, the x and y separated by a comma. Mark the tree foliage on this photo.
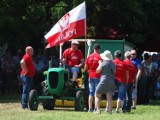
<point>25,22</point>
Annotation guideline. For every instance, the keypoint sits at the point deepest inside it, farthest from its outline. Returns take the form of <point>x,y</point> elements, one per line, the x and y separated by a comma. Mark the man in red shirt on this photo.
<point>27,74</point>
<point>73,59</point>
<point>131,68</point>
<point>91,65</point>
<point>121,75</point>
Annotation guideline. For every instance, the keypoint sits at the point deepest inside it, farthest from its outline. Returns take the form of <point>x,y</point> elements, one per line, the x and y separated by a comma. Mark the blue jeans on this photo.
<point>27,84</point>
<point>93,82</point>
<point>128,103</point>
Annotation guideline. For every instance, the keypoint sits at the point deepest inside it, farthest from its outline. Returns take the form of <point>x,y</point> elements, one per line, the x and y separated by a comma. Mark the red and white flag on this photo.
<point>71,25</point>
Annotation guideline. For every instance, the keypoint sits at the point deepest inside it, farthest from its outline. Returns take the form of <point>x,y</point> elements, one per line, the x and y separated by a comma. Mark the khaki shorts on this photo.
<point>134,93</point>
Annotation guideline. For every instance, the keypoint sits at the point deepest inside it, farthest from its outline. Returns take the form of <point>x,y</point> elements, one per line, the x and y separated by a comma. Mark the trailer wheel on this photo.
<point>33,100</point>
<point>79,101</point>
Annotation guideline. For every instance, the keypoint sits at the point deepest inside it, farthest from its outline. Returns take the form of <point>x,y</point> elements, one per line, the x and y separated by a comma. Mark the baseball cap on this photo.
<point>96,46</point>
<point>75,42</point>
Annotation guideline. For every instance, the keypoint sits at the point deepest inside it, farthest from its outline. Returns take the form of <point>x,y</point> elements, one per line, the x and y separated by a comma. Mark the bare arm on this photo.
<point>99,68</point>
<point>81,63</point>
<point>139,73</point>
<point>85,67</point>
<point>64,61</point>
<point>23,66</point>
<point>135,81</point>
<point>137,76</point>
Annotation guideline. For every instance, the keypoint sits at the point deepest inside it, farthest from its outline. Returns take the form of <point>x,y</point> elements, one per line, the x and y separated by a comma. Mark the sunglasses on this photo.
<point>134,54</point>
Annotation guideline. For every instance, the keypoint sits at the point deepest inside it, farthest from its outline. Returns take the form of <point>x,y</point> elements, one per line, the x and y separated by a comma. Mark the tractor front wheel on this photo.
<point>33,100</point>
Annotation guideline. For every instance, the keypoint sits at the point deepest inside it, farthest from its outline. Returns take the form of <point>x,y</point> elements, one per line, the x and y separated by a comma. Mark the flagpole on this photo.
<point>60,51</point>
<point>88,42</point>
<point>85,29</point>
<point>85,21</point>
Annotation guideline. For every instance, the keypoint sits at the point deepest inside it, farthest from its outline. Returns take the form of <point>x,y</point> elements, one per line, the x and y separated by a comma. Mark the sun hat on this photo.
<point>75,42</point>
<point>106,55</point>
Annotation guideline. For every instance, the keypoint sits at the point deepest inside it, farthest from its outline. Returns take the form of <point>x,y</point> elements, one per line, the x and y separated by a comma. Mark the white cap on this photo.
<point>75,42</point>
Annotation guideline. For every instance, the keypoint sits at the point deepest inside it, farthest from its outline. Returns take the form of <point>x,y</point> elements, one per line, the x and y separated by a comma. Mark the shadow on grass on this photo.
<point>68,109</point>
<point>11,98</point>
<point>16,98</point>
<point>154,102</point>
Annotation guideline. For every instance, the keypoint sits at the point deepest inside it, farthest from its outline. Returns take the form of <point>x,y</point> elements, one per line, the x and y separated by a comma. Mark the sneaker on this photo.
<point>133,107</point>
<point>128,110</point>
<point>106,110</point>
<point>97,112</point>
<point>124,111</point>
<point>90,110</point>
<point>94,110</point>
<point>116,111</point>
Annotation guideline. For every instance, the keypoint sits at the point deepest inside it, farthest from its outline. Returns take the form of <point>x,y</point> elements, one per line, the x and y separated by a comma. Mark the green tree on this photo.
<point>25,22</point>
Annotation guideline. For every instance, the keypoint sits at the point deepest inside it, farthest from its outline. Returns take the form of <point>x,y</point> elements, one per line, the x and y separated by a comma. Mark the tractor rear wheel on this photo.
<point>79,101</point>
<point>33,100</point>
<point>48,104</point>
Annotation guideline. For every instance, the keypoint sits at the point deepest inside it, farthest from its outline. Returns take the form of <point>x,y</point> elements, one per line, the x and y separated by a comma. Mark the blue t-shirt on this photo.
<point>137,62</point>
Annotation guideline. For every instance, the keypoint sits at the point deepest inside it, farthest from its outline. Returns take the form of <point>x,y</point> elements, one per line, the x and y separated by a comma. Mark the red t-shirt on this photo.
<point>132,70</point>
<point>120,73</point>
<point>92,63</point>
<point>29,63</point>
<point>73,57</point>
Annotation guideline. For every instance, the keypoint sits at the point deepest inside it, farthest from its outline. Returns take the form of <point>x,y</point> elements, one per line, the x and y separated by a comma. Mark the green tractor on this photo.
<point>58,86</point>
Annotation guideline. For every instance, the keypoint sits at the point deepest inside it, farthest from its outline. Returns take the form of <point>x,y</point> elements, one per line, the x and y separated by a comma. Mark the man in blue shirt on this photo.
<point>137,62</point>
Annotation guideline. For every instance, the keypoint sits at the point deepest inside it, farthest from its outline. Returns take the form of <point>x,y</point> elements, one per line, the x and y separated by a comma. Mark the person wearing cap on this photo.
<point>120,75</point>
<point>91,65</point>
<point>138,64</point>
<point>73,59</point>
<point>131,68</point>
<point>107,84</point>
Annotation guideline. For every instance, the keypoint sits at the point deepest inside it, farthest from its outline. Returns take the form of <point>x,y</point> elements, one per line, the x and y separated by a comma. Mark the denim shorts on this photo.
<point>121,91</point>
<point>73,69</point>
<point>93,82</point>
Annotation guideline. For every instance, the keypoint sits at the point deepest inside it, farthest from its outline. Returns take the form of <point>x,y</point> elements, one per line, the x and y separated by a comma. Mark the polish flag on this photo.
<point>71,25</point>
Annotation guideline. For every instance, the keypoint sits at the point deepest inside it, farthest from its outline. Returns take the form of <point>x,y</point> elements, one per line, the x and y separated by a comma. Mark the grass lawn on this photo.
<point>10,109</point>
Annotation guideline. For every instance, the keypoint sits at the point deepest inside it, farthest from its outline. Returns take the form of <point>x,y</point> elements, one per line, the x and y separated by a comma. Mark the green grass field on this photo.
<point>10,109</point>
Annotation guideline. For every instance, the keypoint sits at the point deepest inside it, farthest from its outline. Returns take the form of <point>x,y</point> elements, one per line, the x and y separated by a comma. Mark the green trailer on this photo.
<point>111,45</point>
